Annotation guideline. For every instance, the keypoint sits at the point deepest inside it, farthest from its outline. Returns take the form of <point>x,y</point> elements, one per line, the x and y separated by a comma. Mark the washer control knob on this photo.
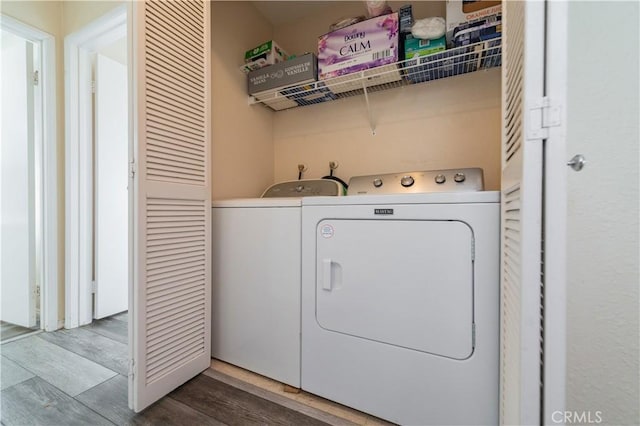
<point>459,177</point>
<point>377,182</point>
<point>406,181</point>
<point>440,179</point>
<point>299,188</point>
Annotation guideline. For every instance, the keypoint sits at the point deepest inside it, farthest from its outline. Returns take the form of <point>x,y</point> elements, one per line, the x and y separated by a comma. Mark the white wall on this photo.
<point>602,276</point>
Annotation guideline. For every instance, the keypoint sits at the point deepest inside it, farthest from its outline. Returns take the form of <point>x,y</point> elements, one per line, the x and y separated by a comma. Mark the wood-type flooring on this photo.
<point>79,377</point>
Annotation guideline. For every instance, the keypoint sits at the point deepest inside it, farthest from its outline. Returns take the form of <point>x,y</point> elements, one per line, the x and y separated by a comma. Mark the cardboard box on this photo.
<point>300,70</point>
<point>417,47</point>
<point>405,14</point>
<point>361,46</point>
<point>475,32</point>
<point>268,53</point>
<point>463,11</point>
<point>253,65</point>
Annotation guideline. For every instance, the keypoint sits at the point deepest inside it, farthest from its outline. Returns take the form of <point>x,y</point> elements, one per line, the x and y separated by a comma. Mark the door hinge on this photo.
<point>93,287</point>
<point>37,291</point>
<point>132,368</point>
<point>133,168</point>
<point>36,78</point>
<point>543,114</point>
<point>93,86</point>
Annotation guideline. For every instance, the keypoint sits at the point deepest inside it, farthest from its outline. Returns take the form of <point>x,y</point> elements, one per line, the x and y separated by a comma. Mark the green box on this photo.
<point>417,47</point>
<point>268,51</point>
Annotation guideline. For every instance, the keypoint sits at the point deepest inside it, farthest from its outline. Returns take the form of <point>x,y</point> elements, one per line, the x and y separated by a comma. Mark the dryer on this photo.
<point>400,297</point>
<point>256,278</point>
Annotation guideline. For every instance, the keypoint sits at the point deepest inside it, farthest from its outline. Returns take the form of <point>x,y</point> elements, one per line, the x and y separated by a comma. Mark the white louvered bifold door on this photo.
<point>522,156</point>
<point>170,307</point>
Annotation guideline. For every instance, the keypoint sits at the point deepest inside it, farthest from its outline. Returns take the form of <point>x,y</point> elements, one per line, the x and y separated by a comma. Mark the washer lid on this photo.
<point>304,188</point>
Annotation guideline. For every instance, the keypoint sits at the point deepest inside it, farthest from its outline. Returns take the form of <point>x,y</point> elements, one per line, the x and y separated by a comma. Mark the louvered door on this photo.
<point>170,304</point>
<point>521,278</point>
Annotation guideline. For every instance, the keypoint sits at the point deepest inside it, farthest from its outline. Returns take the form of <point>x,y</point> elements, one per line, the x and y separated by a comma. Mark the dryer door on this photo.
<point>404,283</point>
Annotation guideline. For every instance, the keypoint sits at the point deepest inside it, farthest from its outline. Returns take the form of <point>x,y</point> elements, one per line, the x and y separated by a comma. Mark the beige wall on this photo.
<point>77,14</point>
<point>443,124</point>
<point>242,149</point>
<point>449,123</point>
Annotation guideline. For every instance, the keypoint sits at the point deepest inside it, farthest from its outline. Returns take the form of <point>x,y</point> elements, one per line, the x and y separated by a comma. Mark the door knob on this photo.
<point>577,163</point>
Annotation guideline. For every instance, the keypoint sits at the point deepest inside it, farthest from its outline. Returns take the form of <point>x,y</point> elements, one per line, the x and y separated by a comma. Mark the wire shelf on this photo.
<point>448,63</point>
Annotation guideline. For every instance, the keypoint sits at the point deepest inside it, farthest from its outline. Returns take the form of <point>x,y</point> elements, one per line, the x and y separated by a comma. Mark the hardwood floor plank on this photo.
<point>233,406</point>
<point>111,328</point>
<point>12,374</point>
<point>36,402</point>
<point>67,371</point>
<point>279,399</point>
<point>102,350</point>
<point>110,400</point>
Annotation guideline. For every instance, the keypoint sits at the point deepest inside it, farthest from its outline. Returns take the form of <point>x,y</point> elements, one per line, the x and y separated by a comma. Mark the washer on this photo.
<point>256,279</point>
<point>400,297</point>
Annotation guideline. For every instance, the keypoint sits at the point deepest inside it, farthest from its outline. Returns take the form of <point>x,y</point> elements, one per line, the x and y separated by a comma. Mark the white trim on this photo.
<point>555,214</point>
<point>133,212</point>
<point>78,161</point>
<point>49,266</point>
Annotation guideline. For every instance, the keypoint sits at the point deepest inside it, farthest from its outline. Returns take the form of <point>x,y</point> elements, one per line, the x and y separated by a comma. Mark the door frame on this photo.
<point>78,47</point>
<point>555,215</point>
<point>47,270</point>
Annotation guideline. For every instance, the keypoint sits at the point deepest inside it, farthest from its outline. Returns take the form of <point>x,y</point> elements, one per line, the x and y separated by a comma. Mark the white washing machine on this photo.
<point>256,279</point>
<point>400,297</point>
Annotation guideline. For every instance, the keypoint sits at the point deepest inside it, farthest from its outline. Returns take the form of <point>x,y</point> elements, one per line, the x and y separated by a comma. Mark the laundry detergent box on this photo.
<point>363,45</point>
<point>299,70</point>
<point>460,12</point>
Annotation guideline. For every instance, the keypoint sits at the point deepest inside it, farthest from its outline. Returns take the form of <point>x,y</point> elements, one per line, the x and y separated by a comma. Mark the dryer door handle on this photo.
<point>326,274</point>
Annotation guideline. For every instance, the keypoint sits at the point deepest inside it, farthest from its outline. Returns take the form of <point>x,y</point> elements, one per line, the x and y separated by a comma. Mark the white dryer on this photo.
<point>256,279</point>
<point>400,297</point>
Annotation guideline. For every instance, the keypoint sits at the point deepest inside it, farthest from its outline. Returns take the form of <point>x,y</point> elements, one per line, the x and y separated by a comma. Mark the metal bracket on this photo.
<point>372,124</point>
<point>133,169</point>
<point>543,114</point>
